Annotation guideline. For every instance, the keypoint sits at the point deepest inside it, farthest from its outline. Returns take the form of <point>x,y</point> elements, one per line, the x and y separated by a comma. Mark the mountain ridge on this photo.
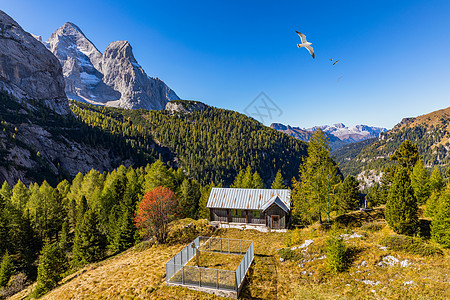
<point>112,78</point>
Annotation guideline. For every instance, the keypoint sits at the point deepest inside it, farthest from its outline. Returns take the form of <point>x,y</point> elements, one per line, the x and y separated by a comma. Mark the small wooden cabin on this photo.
<point>263,207</point>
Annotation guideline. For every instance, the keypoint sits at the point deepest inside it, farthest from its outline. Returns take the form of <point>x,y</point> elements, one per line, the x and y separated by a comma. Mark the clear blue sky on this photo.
<point>394,55</point>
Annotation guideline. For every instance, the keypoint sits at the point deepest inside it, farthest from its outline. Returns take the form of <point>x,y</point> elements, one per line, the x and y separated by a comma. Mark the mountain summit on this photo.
<point>113,78</point>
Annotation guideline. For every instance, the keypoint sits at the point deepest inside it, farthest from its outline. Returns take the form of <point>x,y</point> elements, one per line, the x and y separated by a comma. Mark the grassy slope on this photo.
<point>141,275</point>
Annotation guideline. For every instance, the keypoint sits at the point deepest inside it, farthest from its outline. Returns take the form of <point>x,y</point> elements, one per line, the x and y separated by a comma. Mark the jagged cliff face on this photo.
<point>27,69</point>
<point>113,78</point>
<point>39,136</point>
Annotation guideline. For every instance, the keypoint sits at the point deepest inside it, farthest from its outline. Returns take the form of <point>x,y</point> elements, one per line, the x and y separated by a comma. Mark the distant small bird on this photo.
<point>305,44</point>
<point>335,62</point>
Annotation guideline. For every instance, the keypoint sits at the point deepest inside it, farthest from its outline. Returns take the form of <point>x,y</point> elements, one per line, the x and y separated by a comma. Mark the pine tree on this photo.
<point>441,222</point>
<point>89,243</point>
<point>420,182</point>
<point>190,196</point>
<point>5,191</point>
<point>348,195</point>
<point>6,269</point>
<point>257,182</point>
<point>314,192</point>
<point>278,182</point>
<point>20,195</point>
<point>406,155</point>
<point>203,212</point>
<point>432,205</point>
<point>125,233</point>
<point>401,205</point>
<point>247,181</point>
<point>238,180</point>
<point>436,181</point>
<point>52,265</point>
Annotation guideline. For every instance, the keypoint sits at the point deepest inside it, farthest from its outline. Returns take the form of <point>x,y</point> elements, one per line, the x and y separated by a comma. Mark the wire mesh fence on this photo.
<point>178,272</point>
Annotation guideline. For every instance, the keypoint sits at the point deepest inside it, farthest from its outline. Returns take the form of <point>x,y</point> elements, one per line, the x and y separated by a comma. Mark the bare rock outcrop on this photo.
<point>184,106</point>
<point>27,69</point>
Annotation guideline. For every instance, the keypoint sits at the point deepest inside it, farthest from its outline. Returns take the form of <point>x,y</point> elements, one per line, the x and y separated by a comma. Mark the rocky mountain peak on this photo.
<point>27,69</point>
<point>113,78</point>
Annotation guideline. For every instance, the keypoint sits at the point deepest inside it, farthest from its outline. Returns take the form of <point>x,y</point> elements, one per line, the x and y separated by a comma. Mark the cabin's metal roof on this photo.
<point>252,199</point>
<point>275,200</point>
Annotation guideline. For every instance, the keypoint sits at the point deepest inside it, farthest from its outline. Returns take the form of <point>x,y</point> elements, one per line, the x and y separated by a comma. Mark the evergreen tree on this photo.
<point>5,192</point>
<point>203,212</point>
<point>406,155</point>
<point>257,182</point>
<point>432,204</point>
<point>52,265</point>
<point>313,193</point>
<point>64,237</point>
<point>441,222</point>
<point>20,195</point>
<point>348,195</point>
<point>436,181</point>
<point>420,182</point>
<point>6,269</point>
<point>238,181</point>
<point>401,206</point>
<point>278,182</point>
<point>159,175</point>
<point>125,233</point>
<point>190,196</point>
<point>247,181</point>
<point>89,243</point>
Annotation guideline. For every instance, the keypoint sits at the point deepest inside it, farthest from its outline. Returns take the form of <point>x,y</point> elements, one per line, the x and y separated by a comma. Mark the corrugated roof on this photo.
<point>277,201</point>
<point>252,199</point>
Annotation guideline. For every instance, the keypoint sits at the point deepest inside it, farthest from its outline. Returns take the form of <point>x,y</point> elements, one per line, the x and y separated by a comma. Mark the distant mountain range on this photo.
<point>112,78</point>
<point>338,134</point>
<point>431,133</point>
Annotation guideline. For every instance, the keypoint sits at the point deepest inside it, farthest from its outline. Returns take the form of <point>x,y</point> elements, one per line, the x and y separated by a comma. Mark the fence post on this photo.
<point>217,278</point>
<point>182,275</point>
<point>199,277</point>
<point>236,281</point>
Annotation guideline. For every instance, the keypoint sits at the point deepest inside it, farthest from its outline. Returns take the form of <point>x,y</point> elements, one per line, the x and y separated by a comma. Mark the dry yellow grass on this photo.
<point>219,261</point>
<point>141,275</point>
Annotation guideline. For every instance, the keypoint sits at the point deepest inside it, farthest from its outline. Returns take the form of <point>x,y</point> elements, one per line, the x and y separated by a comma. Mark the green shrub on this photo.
<point>411,245</point>
<point>288,254</point>
<point>441,221</point>
<point>336,253</point>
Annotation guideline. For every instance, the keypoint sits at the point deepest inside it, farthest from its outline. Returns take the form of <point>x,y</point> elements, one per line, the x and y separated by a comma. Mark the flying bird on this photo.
<point>335,62</point>
<point>305,44</point>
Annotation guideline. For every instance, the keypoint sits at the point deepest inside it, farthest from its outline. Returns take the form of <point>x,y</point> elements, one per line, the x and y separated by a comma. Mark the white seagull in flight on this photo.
<point>305,44</point>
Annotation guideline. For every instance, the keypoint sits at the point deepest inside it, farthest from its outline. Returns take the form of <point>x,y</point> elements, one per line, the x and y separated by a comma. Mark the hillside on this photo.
<point>375,271</point>
<point>431,132</point>
<point>211,144</point>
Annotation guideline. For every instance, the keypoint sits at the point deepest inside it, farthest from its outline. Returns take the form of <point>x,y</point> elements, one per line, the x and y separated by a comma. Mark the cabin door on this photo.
<point>276,222</point>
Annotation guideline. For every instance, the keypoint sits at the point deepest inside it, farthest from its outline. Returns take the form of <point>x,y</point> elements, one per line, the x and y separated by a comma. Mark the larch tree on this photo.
<point>436,181</point>
<point>313,192</point>
<point>278,182</point>
<point>406,155</point>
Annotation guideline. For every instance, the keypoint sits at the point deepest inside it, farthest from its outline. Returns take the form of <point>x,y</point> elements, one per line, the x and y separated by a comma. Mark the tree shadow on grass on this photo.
<point>425,228</point>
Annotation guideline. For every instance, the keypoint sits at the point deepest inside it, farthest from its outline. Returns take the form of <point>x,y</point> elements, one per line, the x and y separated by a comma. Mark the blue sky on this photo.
<point>394,55</point>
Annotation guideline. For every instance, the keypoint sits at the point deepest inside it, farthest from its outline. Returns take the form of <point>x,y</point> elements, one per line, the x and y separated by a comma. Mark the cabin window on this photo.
<point>238,212</point>
<point>256,214</point>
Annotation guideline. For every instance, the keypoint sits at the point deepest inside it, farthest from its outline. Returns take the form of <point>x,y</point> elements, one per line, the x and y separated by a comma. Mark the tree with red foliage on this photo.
<point>154,213</point>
